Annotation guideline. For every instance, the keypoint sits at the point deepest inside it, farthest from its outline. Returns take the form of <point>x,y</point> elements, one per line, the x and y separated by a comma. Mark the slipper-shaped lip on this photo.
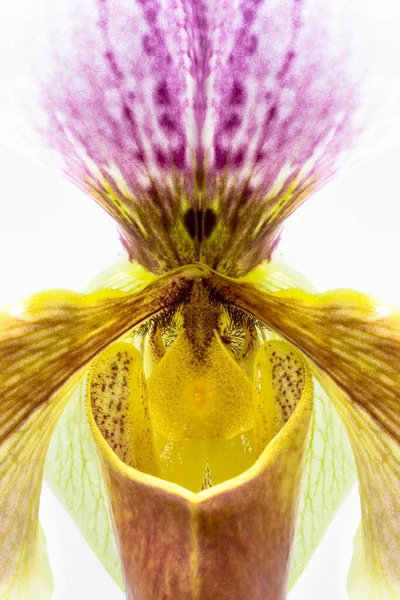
<point>236,537</point>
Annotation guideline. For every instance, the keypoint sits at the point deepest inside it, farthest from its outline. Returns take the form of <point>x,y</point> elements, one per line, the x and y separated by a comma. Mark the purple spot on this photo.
<point>247,194</point>
<point>272,113</point>
<point>248,16</point>
<point>139,156</point>
<point>151,16</point>
<point>221,157</point>
<point>238,158</point>
<point>162,97</point>
<point>128,114</point>
<point>148,44</point>
<point>109,56</point>
<point>286,65</point>
<point>252,45</point>
<point>179,156</point>
<point>259,156</point>
<point>233,122</point>
<point>237,94</point>
<point>160,158</point>
<point>274,242</point>
<point>200,21</point>
<point>166,122</point>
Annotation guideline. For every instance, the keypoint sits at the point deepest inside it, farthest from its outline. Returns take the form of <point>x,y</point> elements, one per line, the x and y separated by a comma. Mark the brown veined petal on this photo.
<point>120,402</point>
<point>230,542</point>
<point>375,567</point>
<point>45,343</point>
<point>355,340</point>
<point>330,470</point>
<point>72,470</point>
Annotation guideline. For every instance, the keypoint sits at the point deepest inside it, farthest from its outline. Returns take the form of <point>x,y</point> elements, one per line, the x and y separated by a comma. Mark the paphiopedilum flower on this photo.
<point>206,375</point>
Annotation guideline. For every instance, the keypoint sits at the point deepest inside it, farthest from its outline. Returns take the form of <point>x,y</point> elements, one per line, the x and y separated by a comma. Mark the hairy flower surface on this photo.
<point>205,394</point>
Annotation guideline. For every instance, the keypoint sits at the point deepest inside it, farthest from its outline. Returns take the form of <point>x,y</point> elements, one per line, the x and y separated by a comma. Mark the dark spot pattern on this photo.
<point>288,380</point>
<point>110,389</point>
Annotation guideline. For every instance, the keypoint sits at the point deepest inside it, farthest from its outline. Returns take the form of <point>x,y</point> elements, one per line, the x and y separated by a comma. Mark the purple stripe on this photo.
<point>238,97</point>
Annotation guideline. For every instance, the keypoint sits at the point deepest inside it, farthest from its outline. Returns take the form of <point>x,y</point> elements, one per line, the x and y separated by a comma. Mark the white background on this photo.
<point>51,235</point>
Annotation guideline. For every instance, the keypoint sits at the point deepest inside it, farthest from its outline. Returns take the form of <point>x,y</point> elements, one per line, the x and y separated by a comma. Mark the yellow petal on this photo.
<point>330,469</point>
<point>280,378</point>
<point>45,344</point>
<point>232,541</point>
<point>195,398</point>
<point>183,461</point>
<point>227,458</point>
<point>24,572</point>
<point>356,341</point>
<point>375,568</point>
<point>72,470</point>
<point>118,395</point>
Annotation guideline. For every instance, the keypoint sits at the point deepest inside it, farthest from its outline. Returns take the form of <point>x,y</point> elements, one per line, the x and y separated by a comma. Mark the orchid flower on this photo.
<point>204,392</point>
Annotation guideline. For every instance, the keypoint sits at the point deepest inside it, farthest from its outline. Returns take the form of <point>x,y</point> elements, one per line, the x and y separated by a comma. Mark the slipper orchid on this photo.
<point>203,376</point>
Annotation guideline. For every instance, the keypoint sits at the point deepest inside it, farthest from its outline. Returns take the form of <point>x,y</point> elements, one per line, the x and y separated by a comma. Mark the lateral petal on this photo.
<point>355,340</point>
<point>72,470</point>
<point>330,470</point>
<point>25,572</point>
<point>375,568</point>
<point>45,344</point>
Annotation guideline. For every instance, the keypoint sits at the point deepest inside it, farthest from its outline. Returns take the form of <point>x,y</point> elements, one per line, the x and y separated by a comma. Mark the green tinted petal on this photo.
<point>46,342</point>
<point>72,469</point>
<point>73,474</point>
<point>375,567</point>
<point>355,341</point>
<point>329,475</point>
<point>330,469</point>
<point>125,276</point>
